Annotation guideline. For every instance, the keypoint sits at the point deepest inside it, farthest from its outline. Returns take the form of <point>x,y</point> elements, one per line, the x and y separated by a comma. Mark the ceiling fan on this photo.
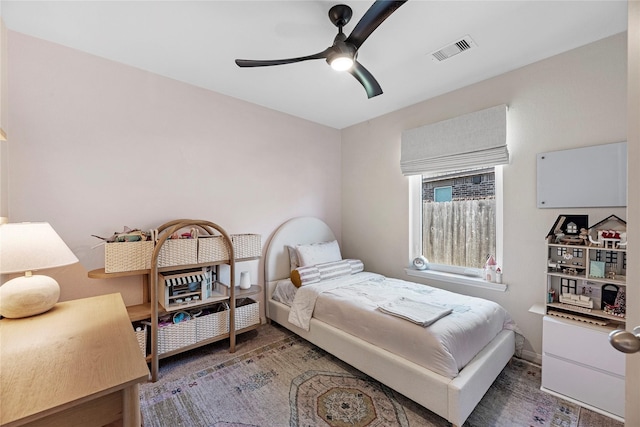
<point>344,51</point>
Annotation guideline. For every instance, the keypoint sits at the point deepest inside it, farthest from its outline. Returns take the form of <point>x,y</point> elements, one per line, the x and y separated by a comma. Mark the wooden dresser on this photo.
<point>78,364</point>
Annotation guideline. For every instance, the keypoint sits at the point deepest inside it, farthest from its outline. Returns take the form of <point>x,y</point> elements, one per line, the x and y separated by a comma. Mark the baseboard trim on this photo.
<point>532,357</point>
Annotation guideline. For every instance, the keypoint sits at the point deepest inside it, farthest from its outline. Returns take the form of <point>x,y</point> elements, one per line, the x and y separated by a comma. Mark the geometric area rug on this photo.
<point>289,382</point>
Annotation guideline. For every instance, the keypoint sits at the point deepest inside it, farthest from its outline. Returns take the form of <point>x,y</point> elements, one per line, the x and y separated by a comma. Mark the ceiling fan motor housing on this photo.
<point>340,15</point>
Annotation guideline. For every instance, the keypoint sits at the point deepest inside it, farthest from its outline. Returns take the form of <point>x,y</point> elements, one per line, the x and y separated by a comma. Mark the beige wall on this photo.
<point>570,100</point>
<point>96,145</point>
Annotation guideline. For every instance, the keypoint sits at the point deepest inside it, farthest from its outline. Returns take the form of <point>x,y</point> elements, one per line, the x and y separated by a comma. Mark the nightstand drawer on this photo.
<point>593,387</point>
<point>584,345</point>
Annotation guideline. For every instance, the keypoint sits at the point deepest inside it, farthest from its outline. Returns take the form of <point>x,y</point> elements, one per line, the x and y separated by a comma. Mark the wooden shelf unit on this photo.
<point>150,309</point>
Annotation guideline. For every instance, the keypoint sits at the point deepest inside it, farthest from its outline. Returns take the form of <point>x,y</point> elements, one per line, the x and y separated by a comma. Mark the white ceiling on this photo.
<point>197,41</point>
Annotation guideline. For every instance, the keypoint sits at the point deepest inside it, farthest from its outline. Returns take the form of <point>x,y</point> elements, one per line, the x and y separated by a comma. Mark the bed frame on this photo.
<point>453,399</point>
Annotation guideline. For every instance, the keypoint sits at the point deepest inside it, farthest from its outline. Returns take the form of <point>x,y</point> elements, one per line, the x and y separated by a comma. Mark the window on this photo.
<point>442,194</point>
<point>460,230</point>
<point>456,231</point>
<point>488,207</point>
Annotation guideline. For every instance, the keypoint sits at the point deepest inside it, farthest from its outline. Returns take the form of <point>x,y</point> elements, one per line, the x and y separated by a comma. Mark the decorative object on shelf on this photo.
<point>611,232</point>
<point>420,263</point>
<point>127,235</point>
<point>247,313</point>
<point>583,236</point>
<point>25,247</point>
<point>129,250</point>
<point>141,336</point>
<point>577,300</point>
<point>181,316</point>
<point>246,245</point>
<point>609,294</point>
<point>619,306</point>
<point>597,269</point>
<point>212,248</point>
<point>245,280</point>
<point>184,287</point>
<point>490,269</point>
<point>567,229</point>
<point>179,249</point>
<point>498,275</point>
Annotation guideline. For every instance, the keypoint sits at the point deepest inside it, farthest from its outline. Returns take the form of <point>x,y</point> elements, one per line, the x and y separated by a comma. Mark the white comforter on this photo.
<point>351,304</point>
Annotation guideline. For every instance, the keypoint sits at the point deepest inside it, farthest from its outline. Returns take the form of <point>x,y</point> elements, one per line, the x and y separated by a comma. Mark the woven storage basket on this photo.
<point>247,313</point>
<point>246,245</point>
<point>178,252</point>
<point>141,336</point>
<point>212,249</point>
<point>127,256</point>
<point>176,335</point>
<point>212,325</point>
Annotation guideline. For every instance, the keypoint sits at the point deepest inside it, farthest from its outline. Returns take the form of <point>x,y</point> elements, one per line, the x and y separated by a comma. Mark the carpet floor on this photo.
<point>275,379</point>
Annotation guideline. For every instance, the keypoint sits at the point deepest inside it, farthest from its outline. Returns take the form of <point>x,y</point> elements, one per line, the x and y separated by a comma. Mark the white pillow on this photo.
<point>318,253</point>
<point>293,258</point>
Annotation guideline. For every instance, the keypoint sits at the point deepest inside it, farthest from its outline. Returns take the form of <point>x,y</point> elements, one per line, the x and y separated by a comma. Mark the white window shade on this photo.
<point>474,140</point>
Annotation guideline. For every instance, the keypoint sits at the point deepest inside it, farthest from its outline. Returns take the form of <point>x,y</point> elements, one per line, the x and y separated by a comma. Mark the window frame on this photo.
<point>448,273</point>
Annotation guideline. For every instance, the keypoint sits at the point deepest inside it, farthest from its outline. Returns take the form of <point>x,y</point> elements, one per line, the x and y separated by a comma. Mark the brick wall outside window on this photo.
<point>480,186</point>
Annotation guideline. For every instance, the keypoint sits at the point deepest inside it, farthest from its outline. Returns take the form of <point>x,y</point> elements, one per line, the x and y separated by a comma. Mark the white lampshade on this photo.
<point>25,247</point>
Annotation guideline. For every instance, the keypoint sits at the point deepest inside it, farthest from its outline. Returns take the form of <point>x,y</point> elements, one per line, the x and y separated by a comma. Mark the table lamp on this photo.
<point>25,247</point>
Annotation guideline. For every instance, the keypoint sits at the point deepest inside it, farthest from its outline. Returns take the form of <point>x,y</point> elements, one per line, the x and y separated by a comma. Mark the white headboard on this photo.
<point>296,231</point>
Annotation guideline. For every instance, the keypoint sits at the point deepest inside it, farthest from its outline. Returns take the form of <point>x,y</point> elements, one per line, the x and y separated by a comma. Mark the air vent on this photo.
<point>453,49</point>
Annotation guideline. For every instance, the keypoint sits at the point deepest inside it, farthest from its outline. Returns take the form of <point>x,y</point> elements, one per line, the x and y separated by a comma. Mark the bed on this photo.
<point>445,390</point>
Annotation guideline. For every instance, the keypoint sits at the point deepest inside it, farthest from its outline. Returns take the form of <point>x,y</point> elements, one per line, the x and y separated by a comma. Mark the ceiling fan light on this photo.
<point>342,63</point>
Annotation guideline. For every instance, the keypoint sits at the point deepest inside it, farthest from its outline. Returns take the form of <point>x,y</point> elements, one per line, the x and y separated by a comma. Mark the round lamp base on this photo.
<point>27,296</point>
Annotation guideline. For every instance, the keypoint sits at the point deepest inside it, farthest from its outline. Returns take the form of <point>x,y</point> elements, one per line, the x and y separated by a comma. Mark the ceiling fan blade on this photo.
<point>377,13</point>
<point>366,79</point>
<point>269,62</point>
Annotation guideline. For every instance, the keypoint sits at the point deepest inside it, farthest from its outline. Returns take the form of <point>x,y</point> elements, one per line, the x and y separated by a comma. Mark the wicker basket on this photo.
<point>246,245</point>
<point>141,336</point>
<point>178,252</point>
<point>177,335</point>
<point>127,256</point>
<point>247,313</point>
<point>212,249</point>
<point>212,325</point>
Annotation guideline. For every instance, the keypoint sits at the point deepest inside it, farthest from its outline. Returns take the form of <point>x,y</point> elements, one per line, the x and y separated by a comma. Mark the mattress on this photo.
<point>351,303</point>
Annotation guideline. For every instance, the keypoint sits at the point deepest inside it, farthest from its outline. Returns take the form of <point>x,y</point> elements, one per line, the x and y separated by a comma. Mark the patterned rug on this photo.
<point>290,382</point>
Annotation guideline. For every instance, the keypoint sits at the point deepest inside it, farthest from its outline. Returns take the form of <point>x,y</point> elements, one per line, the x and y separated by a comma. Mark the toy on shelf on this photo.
<point>569,230</point>
<point>610,233</point>
<point>619,306</point>
<point>581,301</point>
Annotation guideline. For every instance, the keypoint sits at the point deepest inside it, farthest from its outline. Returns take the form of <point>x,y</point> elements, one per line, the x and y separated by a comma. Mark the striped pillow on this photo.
<point>329,270</point>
